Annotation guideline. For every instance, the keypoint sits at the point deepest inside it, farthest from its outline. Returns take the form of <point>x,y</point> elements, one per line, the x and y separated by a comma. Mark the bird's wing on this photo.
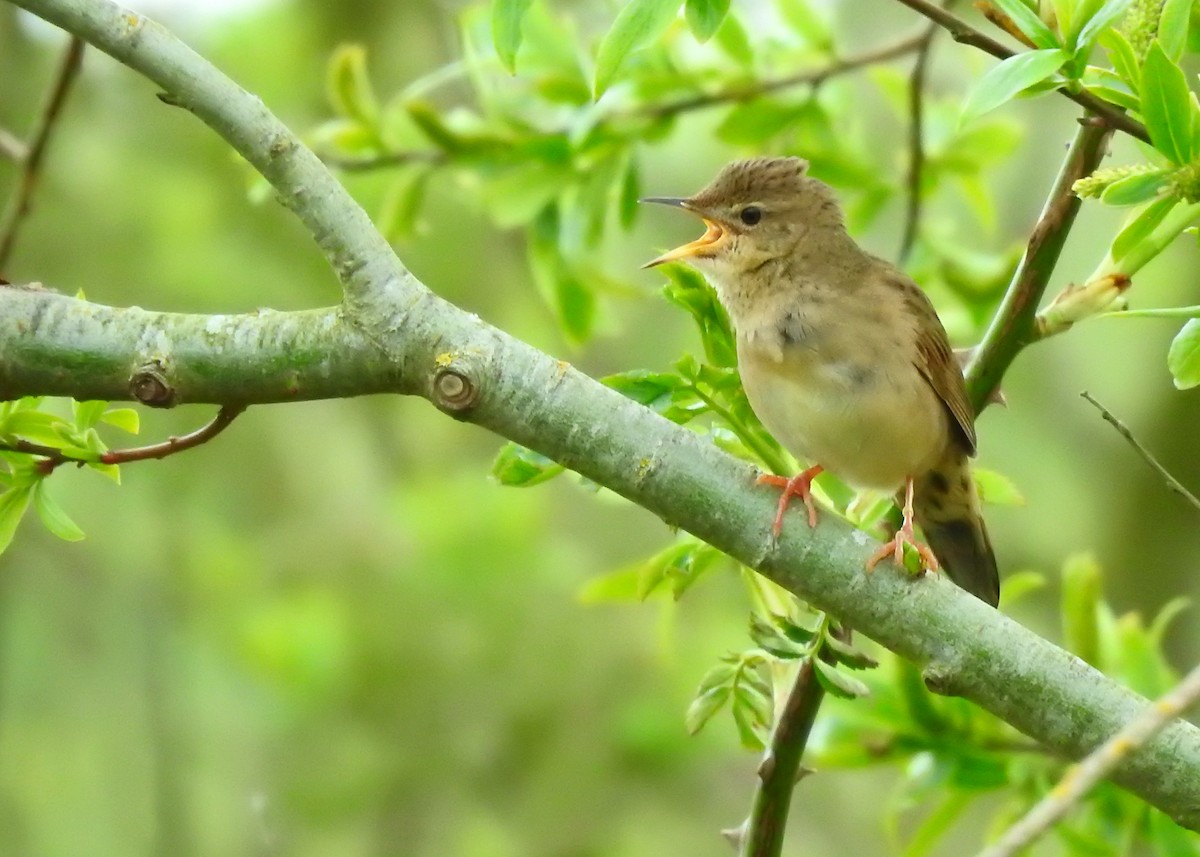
<point>935,361</point>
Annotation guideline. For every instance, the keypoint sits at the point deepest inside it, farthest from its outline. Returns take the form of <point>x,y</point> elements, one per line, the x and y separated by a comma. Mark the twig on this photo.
<point>20,202</point>
<point>916,142</point>
<point>813,77</point>
<point>762,833</point>
<point>965,34</point>
<point>1172,483</point>
<point>54,457</point>
<point>1013,326</point>
<point>1080,778</point>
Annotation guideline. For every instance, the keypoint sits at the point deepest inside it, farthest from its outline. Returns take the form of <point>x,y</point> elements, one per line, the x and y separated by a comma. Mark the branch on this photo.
<point>410,340</point>
<point>1081,778</point>
<point>31,162</point>
<point>916,142</point>
<point>964,33</point>
<point>53,457</point>
<point>780,770</point>
<point>1172,483</point>
<point>1014,325</point>
<point>813,77</point>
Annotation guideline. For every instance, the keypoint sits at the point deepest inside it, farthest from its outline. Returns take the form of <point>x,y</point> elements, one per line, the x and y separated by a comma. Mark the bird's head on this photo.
<point>755,210</point>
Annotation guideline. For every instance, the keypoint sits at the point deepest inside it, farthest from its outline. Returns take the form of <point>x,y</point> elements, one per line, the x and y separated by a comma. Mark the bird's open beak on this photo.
<point>712,233</point>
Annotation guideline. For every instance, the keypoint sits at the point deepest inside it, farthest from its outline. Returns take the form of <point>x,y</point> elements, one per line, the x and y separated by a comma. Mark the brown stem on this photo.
<point>762,834</point>
<point>916,142</point>
<point>964,33</point>
<point>19,205</point>
<point>1013,326</point>
<point>54,457</point>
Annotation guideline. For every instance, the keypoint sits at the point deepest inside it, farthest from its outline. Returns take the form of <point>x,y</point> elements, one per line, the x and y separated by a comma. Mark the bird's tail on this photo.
<point>946,507</point>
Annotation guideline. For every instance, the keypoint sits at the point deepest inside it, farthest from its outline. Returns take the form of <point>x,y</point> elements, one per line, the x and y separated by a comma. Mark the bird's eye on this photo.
<point>751,214</point>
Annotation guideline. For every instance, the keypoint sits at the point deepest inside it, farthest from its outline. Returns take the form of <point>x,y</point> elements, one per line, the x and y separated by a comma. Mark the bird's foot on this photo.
<point>905,536</point>
<point>800,486</point>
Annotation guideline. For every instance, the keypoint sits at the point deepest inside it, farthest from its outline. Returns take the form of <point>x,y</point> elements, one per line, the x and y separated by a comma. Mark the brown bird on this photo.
<point>843,358</point>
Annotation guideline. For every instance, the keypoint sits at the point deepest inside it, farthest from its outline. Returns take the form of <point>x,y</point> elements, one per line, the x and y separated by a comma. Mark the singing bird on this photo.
<point>843,358</point>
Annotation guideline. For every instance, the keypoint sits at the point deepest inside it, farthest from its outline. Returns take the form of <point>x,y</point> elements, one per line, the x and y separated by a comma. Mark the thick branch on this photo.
<point>476,372</point>
<point>60,346</point>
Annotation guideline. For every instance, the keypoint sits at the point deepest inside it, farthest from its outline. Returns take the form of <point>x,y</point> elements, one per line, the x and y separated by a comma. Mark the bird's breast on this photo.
<point>835,395</point>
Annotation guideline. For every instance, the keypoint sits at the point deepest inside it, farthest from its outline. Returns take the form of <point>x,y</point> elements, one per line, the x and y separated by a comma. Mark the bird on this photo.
<point>843,359</point>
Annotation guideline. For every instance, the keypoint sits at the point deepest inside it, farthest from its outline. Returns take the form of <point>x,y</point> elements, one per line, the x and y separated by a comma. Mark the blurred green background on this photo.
<point>330,633</point>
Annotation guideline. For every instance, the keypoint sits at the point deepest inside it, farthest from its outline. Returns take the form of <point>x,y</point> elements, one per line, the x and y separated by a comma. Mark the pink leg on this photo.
<point>800,486</point>
<point>904,536</point>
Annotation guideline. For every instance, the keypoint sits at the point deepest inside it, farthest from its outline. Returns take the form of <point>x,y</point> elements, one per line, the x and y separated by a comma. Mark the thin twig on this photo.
<point>916,142</point>
<point>1122,429</point>
<point>53,457</point>
<point>19,204</point>
<point>731,95</point>
<point>965,34</point>
<point>1098,764</point>
<point>814,77</point>
<point>1013,326</point>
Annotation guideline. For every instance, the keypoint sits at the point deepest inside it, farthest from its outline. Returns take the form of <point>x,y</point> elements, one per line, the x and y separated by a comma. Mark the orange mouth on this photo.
<point>713,233</point>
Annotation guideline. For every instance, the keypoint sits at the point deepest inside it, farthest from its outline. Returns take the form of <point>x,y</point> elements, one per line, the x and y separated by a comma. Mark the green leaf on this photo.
<point>645,387</point>
<point>771,639</point>
<point>755,121</point>
<point>37,426</point>
<point>1005,80</point>
<point>1080,600</point>
<point>704,17</point>
<point>1014,587</point>
<point>638,24</point>
<point>1141,227</point>
<point>1167,106</point>
<point>996,488</point>
<point>1104,17</point>
<point>704,706</point>
<point>615,586</point>
<point>575,303</point>
<point>935,825</point>
<point>348,86</point>
<point>87,414</point>
<point>13,504</point>
<point>1183,357</point>
<point>735,42</point>
<point>521,467</point>
<point>1134,189</point>
<point>627,201</point>
<point>1173,608</point>
<point>506,30</point>
<point>687,288</point>
<point>56,520</point>
<point>1173,24</point>
<point>847,655</point>
<point>1124,60</point>
<point>839,683</point>
<point>126,419</point>
<point>808,21</point>
<point>1029,23</point>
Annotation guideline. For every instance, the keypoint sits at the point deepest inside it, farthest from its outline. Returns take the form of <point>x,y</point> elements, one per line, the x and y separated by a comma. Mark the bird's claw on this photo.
<point>800,486</point>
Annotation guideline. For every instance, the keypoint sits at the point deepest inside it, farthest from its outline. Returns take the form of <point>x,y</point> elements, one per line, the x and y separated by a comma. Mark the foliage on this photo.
<point>552,141</point>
